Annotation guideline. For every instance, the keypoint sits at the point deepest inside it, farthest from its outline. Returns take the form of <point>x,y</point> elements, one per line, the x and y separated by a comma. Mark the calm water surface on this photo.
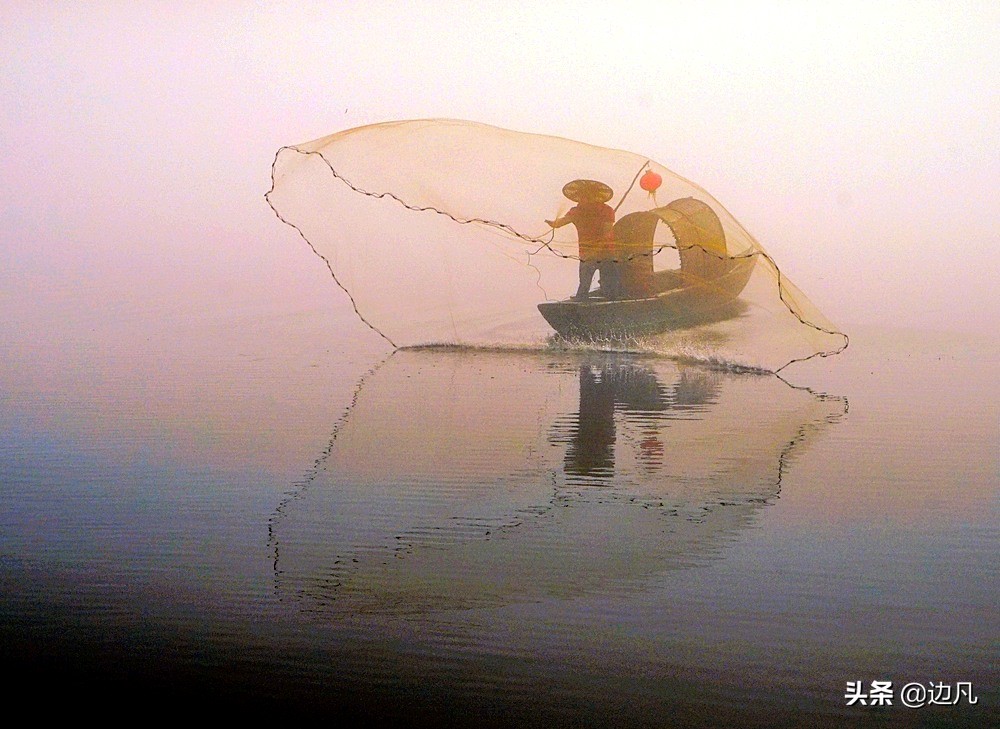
<point>277,517</point>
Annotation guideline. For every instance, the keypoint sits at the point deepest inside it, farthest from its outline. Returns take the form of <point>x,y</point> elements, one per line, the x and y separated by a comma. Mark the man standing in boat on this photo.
<point>594,220</point>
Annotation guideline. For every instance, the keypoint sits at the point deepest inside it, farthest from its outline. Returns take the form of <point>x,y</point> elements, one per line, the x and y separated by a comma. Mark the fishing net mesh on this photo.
<point>436,230</point>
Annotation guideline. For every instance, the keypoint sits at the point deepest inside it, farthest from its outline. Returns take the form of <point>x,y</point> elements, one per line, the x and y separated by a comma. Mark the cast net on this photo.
<point>446,232</point>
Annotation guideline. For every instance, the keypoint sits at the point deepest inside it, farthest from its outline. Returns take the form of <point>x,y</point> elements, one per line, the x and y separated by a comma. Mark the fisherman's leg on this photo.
<point>611,279</point>
<point>587,271</point>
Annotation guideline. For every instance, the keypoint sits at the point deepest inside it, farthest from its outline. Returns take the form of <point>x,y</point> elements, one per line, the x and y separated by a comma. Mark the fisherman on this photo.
<point>594,220</point>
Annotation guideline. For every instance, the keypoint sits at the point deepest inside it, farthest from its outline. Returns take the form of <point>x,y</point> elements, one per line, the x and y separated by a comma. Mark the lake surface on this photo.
<point>271,515</point>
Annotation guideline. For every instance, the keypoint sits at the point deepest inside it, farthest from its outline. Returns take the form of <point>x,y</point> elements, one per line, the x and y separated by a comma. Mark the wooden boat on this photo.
<point>706,288</point>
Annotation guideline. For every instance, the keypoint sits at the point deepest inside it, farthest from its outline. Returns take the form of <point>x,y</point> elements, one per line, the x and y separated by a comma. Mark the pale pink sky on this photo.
<point>857,141</point>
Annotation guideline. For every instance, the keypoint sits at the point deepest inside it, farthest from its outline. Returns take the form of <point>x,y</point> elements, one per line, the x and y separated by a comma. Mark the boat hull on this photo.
<point>691,303</point>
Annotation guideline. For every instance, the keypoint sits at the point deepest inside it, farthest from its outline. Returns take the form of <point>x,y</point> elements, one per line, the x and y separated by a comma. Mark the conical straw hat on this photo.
<point>587,191</point>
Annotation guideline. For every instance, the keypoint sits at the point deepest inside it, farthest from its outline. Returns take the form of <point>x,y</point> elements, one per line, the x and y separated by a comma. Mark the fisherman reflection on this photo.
<point>591,450</point>
<point>603,389</point>
<point>594,220</point>
<point>636,393</point>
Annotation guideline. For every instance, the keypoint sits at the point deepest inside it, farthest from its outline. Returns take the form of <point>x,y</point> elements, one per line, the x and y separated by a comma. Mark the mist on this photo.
<point>858,143</point>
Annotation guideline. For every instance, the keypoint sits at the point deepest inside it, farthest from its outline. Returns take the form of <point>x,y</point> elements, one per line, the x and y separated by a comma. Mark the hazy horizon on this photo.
<point>857,143</point>
<point>222,489</point>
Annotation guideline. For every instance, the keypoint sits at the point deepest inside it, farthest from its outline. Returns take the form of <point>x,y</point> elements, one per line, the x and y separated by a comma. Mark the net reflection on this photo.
<point>463,479</point>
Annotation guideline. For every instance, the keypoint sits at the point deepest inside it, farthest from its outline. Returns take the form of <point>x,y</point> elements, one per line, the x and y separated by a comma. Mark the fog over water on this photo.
<point>858,143</point>
<point>219,487</point>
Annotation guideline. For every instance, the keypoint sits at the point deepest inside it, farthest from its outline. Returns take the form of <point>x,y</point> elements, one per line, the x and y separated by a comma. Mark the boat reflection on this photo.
<point>633,393</point>
<point>464,479</point>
